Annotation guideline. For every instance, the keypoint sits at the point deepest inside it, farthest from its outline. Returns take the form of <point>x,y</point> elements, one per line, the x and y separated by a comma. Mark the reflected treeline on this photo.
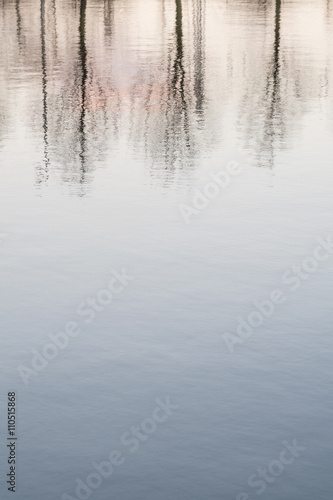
<point>155,80</point>
<point>100,89</point>
<point>276,98</point>
<point>266,125</point>
<point>273,123</point>
<point>173,103</point>
<point>42,173</point>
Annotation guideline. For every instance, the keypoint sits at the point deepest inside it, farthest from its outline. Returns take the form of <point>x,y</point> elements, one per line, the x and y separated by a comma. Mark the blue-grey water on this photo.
<point>115,117</point>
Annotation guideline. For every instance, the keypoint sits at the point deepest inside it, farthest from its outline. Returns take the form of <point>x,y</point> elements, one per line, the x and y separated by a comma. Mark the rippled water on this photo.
<point>114,116</point>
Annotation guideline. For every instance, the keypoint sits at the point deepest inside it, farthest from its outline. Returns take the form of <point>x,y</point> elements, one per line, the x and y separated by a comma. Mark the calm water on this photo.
<point>113,115</point>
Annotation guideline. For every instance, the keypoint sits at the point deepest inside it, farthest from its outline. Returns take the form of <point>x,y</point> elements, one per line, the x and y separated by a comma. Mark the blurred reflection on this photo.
<point>273,124</point>
<point>42,174</point>
<point>108,19</point>
<point>282,89</point>
<point>177,141</point>
<point>84,73</point>
<point>180,116</point>
<point>18,24</point>
<point>199,55</point>
<point>164,82</point>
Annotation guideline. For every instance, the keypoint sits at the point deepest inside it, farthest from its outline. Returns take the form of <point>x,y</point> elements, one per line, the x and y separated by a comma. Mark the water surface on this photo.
<point>112,115</point>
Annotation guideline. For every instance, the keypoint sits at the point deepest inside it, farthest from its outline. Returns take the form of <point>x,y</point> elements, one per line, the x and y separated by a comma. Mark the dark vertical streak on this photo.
<point>54,12</point>
<point>84,75</point>
<point>199,7</point>
<point>179,72</point>
<point>276,80</point>
<point>18,24</point>
<point>178,83</point>
<point>44,88</point>
<point>273,83</point>
<point>108,18</point>
<point>275,100</point>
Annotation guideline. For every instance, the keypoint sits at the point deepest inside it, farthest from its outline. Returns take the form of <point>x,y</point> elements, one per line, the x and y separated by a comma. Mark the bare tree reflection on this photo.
<point>270,116</point>
<point>174,112</point>
<point>154,93</point>
<point>84,75</point>
<point>55,30</point>
<point>177,111</point>
<point>84,104</point>
<point>274,123</point>
<point>266,125</point>
<point>42,173</point>
<point>78,110</point>
<point>20,38</point>
<point>199,56</point>
<point>108,19</point>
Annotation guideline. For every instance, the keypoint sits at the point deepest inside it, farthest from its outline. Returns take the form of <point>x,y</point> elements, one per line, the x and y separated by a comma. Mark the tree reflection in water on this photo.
<point>156,80</point>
